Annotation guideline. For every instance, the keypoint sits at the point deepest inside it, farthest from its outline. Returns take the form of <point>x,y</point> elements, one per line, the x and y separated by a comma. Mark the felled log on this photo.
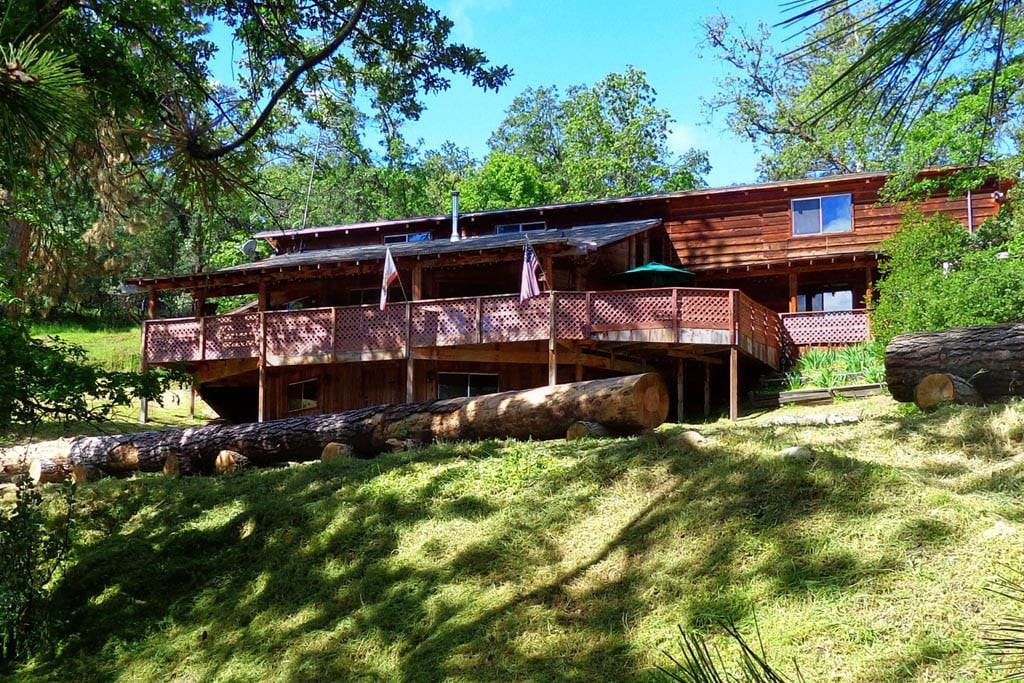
<point>44,471</point>
<point>584,428</point>
<point>990,358</point>
<point>940,387</point>
<point>227,462</point>
<point>628,404</point>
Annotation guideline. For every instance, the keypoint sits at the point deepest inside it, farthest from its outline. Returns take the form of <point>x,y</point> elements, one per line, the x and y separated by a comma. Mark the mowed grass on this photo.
<point>113,348</point>
<point>554,561</point>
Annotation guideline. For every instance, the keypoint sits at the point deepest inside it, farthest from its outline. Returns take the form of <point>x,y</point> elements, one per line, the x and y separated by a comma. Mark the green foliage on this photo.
<point>505,181</point>
<point>33,551</point>
<point>52,380</point>
<point>836,367</point>
<point>607,140</point>
<point>937,275</point>
<point>699,663</point>
<point>1004,641</point>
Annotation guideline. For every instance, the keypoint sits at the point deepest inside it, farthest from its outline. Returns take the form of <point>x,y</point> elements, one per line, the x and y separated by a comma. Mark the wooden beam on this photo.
<point>707,389</point>
<point>734,383</point>
<point>794,293</point>
<point>417,281</point>
<point>262,385</point>
<point>143,366</point>
<point>679,389</point>
<point>409,356</point>
<point>552,346</point>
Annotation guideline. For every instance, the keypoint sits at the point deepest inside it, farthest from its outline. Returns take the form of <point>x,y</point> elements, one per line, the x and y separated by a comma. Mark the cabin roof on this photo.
<point>583,239</point>
<point>512,213</point>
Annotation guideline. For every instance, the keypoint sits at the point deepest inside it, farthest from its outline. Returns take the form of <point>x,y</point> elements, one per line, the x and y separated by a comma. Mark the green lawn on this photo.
<point>114,348</point>
<point>551,561</point>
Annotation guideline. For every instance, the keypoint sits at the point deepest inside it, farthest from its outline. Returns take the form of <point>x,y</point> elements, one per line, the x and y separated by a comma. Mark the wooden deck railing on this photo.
<point>825,328</point>
<point>365,332</point>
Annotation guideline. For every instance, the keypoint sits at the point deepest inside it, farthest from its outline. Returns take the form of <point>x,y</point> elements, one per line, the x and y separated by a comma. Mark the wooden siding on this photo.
<point>756,228</point>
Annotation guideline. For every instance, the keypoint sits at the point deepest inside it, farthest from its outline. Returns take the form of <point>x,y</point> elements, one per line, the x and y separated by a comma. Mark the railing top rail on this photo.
<point>845,311</point>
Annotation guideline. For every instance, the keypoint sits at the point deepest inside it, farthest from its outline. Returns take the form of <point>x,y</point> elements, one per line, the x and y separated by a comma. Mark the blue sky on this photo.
<point>567,42</point>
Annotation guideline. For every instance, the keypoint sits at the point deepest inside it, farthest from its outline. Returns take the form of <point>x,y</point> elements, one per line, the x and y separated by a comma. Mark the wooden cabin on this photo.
<point>772,267</point>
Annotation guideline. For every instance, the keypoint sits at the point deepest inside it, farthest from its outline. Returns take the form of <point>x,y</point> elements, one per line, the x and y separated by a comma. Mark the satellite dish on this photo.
<point>249,248</point>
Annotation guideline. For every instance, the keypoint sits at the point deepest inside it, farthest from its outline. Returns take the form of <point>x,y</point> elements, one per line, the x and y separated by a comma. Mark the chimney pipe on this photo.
<point>455,215</point>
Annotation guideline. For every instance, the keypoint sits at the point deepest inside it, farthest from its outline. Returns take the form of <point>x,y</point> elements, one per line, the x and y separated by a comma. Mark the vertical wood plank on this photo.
<point>143,367</point>
<point>262,390</point>
<point>793,293</point>
<point>734,383</point>
<point>679,389</point>
<point>410,387</point>
<point>417,281</point>
<point>552,350</point>
<point>707,389</point>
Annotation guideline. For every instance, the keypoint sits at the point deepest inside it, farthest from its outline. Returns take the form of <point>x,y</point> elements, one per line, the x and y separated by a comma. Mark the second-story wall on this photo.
<point>754,225</point>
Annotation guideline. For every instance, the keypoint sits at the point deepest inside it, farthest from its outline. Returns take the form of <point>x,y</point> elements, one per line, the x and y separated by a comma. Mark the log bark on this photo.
<point>990,358</point>
<point>939,387</point>
<point>627,404</point>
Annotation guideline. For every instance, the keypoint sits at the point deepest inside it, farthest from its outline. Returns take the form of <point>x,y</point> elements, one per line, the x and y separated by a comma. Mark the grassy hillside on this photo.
<point>550,561</point>
<point>114,348</point>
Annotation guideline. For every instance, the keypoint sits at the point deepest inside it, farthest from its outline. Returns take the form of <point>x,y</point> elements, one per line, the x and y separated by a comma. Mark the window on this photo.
<point>825,300</point>
<point>456,384</point>
<point>823,215</point>
<point>303,395</point>
<point>519,227</point>
<point>408,237</point>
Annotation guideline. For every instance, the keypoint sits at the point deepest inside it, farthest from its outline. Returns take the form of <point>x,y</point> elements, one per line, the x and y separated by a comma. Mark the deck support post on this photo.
<point>734,383</point>
<point>409,360</point>
<point>552,347</point>
<point>679,389</point>
<point>261,409</point>
<point>794,292</point>
<point>707,389</point>
<point>143,366</point>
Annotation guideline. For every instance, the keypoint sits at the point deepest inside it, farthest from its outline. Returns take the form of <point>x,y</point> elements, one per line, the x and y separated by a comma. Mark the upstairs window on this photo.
<point>818,215</point>
<point>519,227</point>
<point>409,237</point>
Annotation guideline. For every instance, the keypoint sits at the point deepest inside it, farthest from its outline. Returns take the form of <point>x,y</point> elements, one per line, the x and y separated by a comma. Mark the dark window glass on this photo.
<point>457,384</point>
<point>303,395</point>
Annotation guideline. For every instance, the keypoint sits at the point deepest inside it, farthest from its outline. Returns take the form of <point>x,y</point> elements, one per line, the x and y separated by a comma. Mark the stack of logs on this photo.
<point>970,365</point>
<point>619,405</point>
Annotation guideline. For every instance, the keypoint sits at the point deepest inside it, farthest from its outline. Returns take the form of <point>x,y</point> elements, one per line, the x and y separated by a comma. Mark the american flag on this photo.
<point>528,287</point>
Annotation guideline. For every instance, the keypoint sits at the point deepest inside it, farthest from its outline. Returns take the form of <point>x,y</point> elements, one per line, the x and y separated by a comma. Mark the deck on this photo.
<point>670,317</point>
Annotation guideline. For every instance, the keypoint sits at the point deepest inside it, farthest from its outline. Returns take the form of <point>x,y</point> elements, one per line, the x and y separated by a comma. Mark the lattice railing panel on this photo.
<point>367,328</point>
<point>169,341</point>
<point>571,315</point>
<point>232,336</point>
<point>822,328</point>
<point>505,319</point>
<point>447,323</point>
<point>704,309</point>
<point>298,333</point>
<point>623,309</point>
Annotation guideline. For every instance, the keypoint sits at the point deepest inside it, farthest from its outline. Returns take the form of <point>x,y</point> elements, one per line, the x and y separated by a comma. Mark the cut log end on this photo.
<point>583,428</point>
<point>939,388</point>
<point>229,461</point>
<point>44,471</point>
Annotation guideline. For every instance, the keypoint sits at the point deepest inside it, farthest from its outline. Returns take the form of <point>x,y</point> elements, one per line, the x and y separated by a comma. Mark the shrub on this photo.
<point>33,550</point>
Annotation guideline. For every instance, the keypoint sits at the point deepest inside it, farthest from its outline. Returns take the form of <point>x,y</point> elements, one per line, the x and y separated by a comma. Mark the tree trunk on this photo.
<point>43,471</point>
<point>939,388</point>
<point>990,358</point>
<point>627,404</point>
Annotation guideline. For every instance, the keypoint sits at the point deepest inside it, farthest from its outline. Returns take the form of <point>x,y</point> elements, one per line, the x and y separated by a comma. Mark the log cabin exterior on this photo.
<point>776,267</point>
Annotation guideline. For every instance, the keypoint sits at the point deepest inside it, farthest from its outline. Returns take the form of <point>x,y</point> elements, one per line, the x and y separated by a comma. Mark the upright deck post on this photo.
<point>679,389</point>
<point>552,347</point>
<point>261,409</point>
<point>707,389</point>
<point>734,383</point>
<point>409,360</point>
<point>143,367</point>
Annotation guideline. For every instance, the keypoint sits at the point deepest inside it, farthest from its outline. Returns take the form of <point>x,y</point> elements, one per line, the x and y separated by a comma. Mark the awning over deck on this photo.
<point>579,240</point>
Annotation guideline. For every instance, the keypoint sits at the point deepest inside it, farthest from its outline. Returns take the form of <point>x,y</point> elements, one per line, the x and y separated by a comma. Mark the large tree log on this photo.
<point>940,387</point>
<point>628,404</point>
<point>990,358</point>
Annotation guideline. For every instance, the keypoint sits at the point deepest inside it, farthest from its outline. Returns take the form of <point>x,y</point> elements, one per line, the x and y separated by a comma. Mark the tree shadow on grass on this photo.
<point>474,562</point>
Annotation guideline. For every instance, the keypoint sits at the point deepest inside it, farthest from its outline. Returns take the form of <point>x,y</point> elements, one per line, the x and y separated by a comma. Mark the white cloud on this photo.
<point>462,11</point>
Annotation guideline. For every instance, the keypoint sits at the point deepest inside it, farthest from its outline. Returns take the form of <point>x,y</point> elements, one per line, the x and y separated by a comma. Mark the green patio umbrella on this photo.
<point>656,274</point>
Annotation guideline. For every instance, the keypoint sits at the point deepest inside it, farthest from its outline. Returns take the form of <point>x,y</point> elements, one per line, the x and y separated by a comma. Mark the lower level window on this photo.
<point>303,395</point>
<point>456,384</point>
